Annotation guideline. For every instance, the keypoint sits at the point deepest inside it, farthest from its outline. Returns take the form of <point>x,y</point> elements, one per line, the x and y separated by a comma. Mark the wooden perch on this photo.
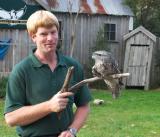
<point>116,76</point>
<point>66,84</point>
<point>81,83</point>
<point>90,80</point>
<point>67,79</point>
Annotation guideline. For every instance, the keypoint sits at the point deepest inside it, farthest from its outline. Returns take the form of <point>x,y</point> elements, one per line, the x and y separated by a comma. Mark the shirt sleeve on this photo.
<point>15,92</point>
<point>83,95</point>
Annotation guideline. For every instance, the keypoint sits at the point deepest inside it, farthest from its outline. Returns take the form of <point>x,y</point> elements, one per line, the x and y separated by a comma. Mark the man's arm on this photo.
<point>80,117</point>
<point>29,114</point>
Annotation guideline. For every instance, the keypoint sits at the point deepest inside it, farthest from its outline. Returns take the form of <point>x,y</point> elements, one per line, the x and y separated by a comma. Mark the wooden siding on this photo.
<point>138,65</point>
<point>86,32</point>
<point>19,49</point>
<point>87,28</point>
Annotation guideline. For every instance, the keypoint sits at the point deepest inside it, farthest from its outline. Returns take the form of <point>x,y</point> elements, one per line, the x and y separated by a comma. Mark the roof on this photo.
<point>110,7</point>
<point>140,29</point>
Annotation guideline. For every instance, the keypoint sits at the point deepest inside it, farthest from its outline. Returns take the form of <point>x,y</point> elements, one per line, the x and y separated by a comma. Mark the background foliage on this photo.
<point>146,13</point>
<point>3,82</point>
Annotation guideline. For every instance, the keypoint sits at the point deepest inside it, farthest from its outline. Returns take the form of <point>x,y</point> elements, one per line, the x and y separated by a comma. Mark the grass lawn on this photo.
<point>135,114</point>
<point>5,131</point>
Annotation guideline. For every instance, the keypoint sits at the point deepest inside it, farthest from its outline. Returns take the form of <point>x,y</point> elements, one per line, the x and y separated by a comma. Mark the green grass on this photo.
<point>135,114</point>
<point>5,131</point>
<point>3,82</point>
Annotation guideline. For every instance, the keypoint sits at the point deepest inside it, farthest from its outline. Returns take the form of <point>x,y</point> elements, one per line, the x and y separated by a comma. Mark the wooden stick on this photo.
<point>90,80</point>
<point>66,84</point>
<point>115,76</point>
<point>67,79</point>
<point>81,83</point>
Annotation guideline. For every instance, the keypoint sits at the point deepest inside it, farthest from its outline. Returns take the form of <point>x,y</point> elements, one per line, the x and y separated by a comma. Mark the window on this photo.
<point>110,32</point>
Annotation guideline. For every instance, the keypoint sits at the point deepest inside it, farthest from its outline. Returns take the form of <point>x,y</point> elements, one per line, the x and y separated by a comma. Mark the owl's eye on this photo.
<point>99,55</point>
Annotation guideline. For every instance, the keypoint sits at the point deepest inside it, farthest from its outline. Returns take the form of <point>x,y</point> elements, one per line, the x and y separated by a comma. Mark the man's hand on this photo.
<point>66,133</point>
<point>59,101</point>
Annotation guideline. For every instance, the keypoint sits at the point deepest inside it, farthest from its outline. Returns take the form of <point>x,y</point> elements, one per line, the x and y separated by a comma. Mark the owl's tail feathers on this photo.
<point>120,82</point>
<point>116,91</point>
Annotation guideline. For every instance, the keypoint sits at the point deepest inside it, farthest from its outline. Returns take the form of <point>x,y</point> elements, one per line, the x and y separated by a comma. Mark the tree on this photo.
<point>146,13</point>
<point>73,24</point>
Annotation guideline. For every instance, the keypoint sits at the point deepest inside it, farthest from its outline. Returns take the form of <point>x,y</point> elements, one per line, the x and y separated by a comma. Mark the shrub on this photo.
<point>3,82</point>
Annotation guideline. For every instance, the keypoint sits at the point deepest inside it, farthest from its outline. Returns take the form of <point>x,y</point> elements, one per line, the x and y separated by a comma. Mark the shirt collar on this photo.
<point>37,63</point>
<point>61,60</point>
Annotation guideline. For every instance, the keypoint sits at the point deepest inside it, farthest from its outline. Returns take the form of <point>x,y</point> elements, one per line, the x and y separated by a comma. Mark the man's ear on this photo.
<point>33,36</point>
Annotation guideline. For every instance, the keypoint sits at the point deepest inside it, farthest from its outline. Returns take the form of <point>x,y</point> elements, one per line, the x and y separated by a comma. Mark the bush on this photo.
<point>3,82</point>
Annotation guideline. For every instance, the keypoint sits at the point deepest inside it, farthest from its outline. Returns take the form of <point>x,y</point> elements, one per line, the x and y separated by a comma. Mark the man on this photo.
<point>33,98</point>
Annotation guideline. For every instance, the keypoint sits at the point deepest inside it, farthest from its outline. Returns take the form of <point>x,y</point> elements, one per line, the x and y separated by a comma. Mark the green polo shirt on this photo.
<point>32,82</point>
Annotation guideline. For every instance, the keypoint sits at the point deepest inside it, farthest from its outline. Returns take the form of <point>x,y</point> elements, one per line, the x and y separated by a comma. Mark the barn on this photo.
<point>140,61</point>
<point>114,18</point>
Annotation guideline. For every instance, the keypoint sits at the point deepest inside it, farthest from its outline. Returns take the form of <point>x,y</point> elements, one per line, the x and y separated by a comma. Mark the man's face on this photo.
<point>46,39</point>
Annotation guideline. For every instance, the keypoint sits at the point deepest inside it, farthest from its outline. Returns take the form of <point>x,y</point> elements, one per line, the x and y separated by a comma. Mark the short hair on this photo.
<point>41,18</point>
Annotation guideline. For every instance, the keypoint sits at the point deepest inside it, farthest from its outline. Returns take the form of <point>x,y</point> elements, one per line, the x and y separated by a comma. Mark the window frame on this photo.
<point>108,33</point>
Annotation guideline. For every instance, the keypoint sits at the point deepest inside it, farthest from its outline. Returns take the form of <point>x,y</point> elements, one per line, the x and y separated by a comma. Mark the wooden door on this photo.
<point>138,58</point>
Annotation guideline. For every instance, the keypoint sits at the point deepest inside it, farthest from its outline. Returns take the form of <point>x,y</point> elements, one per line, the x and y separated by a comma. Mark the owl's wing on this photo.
<point>4,14</point>
<point>116,67</point>
<point>112,65</point>
<point>21,12</point>
<point>115,64</point>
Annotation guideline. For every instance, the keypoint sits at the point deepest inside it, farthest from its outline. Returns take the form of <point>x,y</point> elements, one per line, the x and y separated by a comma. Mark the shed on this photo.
<point>139,58</point>
<point>111,16</point>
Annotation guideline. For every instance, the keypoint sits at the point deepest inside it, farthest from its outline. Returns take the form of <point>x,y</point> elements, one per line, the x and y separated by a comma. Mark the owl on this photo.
<point>105,66</point>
